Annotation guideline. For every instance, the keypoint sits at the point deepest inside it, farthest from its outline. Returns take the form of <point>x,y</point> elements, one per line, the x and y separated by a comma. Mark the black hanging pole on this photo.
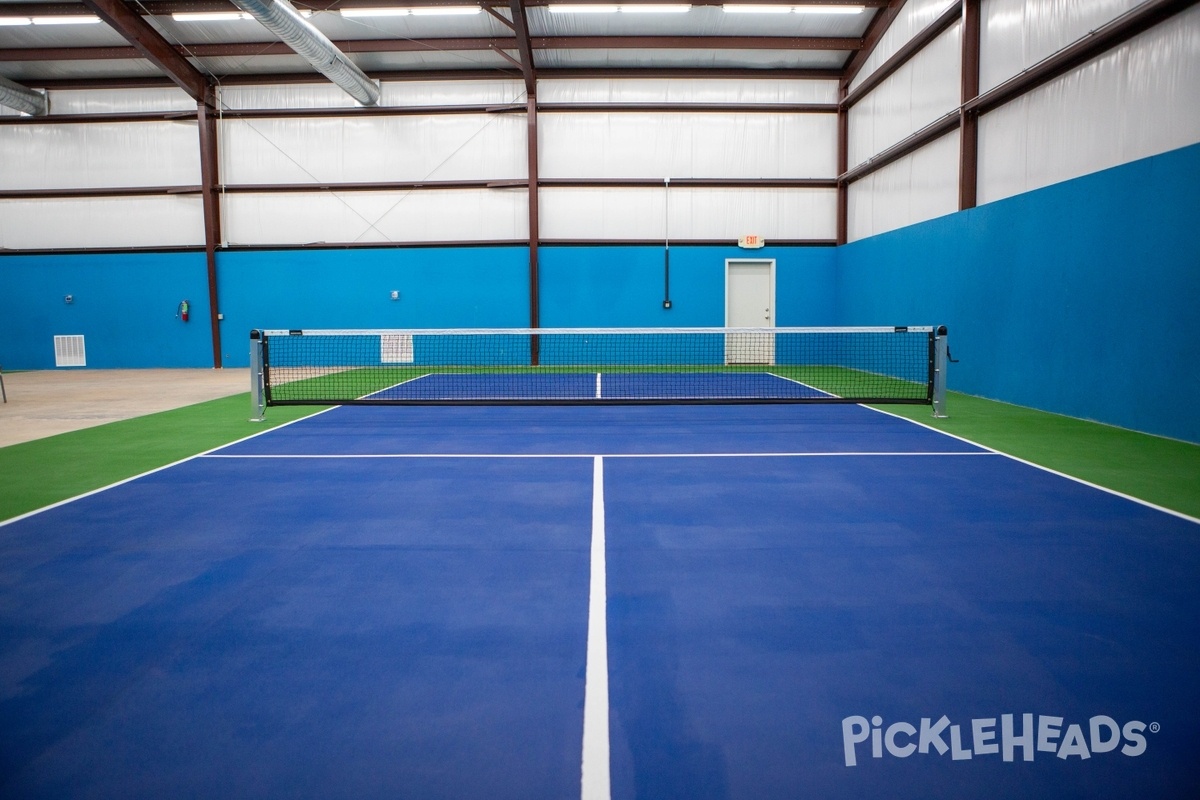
<point>666,243</point>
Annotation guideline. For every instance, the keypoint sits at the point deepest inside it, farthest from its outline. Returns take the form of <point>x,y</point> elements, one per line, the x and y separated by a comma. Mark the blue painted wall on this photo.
<point>464,287</point>
<point>622,286</point>
<point>124,305</point>
<point>1082,298</point>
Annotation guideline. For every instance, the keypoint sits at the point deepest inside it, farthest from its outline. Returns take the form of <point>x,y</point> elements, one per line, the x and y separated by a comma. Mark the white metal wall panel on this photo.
<point>85,156</point>
<point>164,221</point>
<point>919,93</point>
<point>1135,101</point>
<point>915,17</point>
<point>118,101</point>
<point>362,149</point>
<point>913,189</point>
<point>1016,34</point>
<point>346,217</point>
<point>680,90</point>
<point>401,93</point>
<point>617,214</point>
<point>687,145</point>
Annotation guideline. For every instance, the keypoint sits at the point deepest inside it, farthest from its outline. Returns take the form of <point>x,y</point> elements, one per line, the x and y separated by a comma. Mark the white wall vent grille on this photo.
<point>69,351</point>
<point>396,348</point>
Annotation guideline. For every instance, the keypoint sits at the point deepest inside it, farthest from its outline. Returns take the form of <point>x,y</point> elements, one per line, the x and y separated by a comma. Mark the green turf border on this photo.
<point>46,471</point>
<point>1161,471</point>
<point>1165,472</point>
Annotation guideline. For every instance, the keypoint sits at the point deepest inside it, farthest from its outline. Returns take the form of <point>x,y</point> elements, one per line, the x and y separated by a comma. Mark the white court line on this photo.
<point>318,456</point>
<point>801,383</point>
<point>594,777</point>
<point>993,451</point>
<point>597,384</point>
<point>205,454</point>
<point>396,385</point>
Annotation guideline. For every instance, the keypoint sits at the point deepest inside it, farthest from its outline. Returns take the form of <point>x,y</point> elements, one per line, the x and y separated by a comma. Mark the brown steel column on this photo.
<point>843,164</point>
<point>212,216</point>
<point>521,27</point>
<point>534,320</point>
<point>968,121</point>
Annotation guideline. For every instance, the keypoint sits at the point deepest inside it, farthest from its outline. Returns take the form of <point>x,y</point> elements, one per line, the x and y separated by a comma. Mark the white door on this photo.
<point>750,303</point>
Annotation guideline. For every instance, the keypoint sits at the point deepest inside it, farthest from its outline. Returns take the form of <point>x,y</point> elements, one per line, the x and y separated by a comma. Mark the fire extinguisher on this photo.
<point>183,310</point>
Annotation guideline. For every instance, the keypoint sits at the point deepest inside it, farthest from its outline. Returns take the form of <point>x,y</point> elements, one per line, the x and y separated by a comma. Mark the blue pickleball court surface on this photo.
<point>800,602</point>
<point>592,385</point>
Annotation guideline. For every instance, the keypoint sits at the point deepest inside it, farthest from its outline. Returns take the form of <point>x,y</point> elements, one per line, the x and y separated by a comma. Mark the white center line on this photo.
<point>594,782</point>
<point>597,384</point>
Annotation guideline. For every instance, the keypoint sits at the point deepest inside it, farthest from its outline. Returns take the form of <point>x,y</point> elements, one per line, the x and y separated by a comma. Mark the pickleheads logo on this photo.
<point>983,737</point>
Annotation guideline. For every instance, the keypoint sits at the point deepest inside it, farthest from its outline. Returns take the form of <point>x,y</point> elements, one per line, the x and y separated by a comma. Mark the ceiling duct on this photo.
<point>16,96</point>
<point>279,17</point>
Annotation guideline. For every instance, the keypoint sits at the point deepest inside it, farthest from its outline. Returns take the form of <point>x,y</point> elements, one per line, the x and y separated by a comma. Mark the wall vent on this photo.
<point>396,348</point>
<point>69,351</point>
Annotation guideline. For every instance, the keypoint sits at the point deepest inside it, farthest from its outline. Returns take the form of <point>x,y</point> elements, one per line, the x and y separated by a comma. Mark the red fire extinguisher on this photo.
<point>183,311</point>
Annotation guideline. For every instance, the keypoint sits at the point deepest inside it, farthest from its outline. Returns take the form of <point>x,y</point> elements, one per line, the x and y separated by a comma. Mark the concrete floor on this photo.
<point>46,402</point>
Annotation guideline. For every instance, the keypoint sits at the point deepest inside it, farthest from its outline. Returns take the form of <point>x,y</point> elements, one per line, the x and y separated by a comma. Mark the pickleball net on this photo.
<point>529,366</point>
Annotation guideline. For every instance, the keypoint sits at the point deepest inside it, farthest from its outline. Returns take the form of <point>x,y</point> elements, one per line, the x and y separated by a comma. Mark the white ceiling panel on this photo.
<point>697,21</point>
<point>714,59</point>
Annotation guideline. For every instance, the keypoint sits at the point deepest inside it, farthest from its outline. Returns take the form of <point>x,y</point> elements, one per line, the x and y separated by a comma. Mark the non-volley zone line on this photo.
<point>862,454</point>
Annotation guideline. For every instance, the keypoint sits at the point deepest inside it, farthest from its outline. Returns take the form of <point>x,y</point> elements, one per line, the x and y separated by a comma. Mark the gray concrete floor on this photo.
<point>46,402</point>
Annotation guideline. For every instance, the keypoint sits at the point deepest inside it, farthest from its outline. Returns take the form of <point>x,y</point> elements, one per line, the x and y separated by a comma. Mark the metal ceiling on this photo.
<point>708,39</point>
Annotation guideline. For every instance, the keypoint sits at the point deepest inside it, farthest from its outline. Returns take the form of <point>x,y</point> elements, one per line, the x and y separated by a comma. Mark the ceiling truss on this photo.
<point>134,20</point>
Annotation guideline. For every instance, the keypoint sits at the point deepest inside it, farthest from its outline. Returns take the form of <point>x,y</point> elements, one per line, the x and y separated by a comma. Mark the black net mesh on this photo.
<point>692,365</point>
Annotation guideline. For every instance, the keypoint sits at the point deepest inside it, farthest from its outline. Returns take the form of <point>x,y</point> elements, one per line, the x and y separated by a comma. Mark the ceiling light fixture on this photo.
<point>65,20</point>
<point>5,21</point>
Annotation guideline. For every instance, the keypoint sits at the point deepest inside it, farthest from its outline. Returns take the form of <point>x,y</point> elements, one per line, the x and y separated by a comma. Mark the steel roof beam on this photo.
<point>149,44</point>
<point>521,27</point>
<point>167,7</point>
<point>875,31</point>
<point>244,49</point>
<point>545,73</point>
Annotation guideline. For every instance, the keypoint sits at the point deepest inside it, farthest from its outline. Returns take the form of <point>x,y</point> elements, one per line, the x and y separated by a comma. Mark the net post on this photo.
<point>258,404</point>
<point>940,346</point>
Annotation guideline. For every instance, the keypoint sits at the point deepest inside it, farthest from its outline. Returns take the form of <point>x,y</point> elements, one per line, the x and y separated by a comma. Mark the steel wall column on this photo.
<point>534,290</point>
<point>212,217</point>
<point>843,164</point>
<point>968,121</point>
<point>520,26</point>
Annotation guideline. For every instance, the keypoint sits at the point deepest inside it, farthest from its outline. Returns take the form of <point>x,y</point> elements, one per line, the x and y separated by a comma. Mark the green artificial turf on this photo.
<point>38,473</point>
<point>48,470</point>
<point>1162,471</point>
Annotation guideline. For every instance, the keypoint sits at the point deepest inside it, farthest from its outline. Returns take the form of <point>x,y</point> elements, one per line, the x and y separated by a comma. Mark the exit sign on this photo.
<point>751,241</point>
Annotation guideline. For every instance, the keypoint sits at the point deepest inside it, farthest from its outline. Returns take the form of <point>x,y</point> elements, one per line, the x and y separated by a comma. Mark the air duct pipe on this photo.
<point>296,32</point>
<point>16,96</point>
